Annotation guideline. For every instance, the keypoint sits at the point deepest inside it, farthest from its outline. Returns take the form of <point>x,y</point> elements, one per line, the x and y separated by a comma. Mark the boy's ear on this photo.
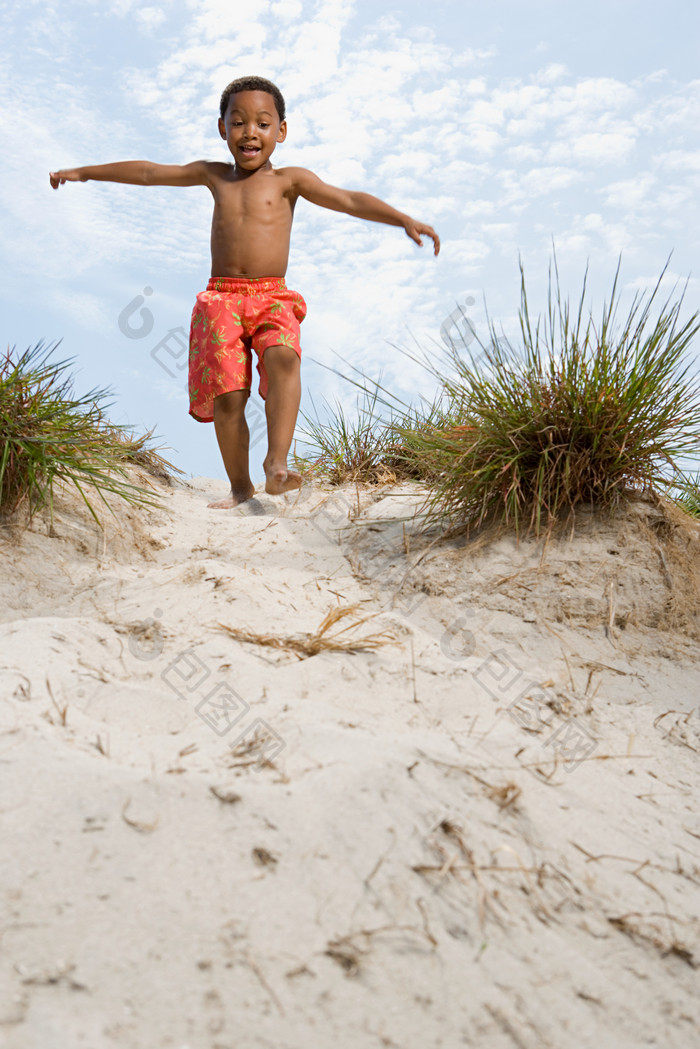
<point>282,133</point>
<point>222,128</point>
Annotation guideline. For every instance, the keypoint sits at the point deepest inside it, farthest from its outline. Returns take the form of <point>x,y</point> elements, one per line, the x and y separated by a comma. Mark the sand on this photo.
<point>447,797</point>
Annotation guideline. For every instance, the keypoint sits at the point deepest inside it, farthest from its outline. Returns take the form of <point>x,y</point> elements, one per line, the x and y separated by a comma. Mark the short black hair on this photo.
<point>252,83</point>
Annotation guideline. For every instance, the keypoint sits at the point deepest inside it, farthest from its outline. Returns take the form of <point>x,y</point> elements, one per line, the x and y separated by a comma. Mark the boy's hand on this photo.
<point>57,178</point>
<point>414,230</point>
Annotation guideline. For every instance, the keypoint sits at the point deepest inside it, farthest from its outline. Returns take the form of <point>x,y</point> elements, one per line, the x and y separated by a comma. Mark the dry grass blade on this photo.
<point>348,953</point>
<point>305,645</point>
<point>638,927</point>
<point>139,825</point>
<point>225,794</point>
<point>256,969</point>
<point>62,711</point>
<point>345,954</point>
<point>506,795</point>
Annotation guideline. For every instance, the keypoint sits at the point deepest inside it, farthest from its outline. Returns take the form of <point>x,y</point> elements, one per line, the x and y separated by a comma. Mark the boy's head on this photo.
<point>252,83</point>
<point>252,121</point>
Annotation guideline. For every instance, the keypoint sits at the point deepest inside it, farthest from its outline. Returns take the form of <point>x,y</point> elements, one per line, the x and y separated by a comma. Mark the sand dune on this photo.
<point>469,818</point>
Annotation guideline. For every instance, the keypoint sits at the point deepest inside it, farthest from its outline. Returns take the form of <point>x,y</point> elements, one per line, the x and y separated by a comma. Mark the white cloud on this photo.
<point>91,312</point>
<point>121,8</point>
<point>149,18</point>
<point>286,10</point>
<point>593,147</point>
<point>628,194</point>
<point>551,73</point>
<point>679,160</point>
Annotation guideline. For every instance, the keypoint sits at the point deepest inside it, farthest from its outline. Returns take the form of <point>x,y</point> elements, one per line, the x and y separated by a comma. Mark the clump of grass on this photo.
<point>134,449</point>
<point>580,413</point>
<point>409,429</point>
<point>345,450</point>
<point>371,448</point>
<point>349,450</point>
<point>689,495</point>
<point>47,434</point>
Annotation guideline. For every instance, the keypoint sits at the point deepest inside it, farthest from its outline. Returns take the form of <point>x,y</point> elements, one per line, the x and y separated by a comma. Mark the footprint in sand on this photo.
<point>146,639</point>
<point>252,506</point>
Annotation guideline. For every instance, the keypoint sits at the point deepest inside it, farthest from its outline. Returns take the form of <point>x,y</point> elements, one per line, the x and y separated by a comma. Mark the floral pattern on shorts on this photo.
<point>230,319</point>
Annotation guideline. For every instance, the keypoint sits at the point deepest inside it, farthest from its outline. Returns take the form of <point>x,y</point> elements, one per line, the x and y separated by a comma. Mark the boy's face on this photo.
<point>252,128</point>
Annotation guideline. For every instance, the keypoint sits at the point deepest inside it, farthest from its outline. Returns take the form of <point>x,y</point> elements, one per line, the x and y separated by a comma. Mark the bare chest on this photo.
<point>252,201</point>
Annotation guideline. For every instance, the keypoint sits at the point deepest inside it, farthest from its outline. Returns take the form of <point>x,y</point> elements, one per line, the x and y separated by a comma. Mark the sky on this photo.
<point>510,127</point>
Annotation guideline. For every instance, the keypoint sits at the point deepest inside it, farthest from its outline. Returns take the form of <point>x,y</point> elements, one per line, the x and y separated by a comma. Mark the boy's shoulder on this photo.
<point>296,179</point>
<point>294,172</point>
<point>216,168</point>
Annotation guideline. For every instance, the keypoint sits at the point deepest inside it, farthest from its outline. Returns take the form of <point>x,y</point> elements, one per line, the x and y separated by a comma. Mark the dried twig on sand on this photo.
<point>639,928</point>
<point>504,796</point>
<point>140,825</point>
<point>304,645</point>
<point>62,711</point>
<point>348,952</point>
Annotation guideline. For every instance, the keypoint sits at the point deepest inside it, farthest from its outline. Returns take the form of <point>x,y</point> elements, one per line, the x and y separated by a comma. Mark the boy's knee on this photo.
<point>230,404</point>
<point>281,357</point>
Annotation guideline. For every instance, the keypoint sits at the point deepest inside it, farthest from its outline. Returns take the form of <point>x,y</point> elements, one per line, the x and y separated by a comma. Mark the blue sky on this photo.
<point>505,126</point>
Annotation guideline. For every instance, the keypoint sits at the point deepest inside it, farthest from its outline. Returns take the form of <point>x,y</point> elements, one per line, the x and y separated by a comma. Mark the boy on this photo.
<point>247,303</point>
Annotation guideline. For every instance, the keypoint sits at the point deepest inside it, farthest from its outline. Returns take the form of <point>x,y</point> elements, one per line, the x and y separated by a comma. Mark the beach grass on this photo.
<point>48,434</point>
<point>577,411</point>
<point>347,449</point>
<point>380,443</point>
<point>688,495</point>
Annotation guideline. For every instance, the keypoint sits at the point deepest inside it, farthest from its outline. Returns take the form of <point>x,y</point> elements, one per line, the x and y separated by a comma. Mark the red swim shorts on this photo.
<point>232,316</point>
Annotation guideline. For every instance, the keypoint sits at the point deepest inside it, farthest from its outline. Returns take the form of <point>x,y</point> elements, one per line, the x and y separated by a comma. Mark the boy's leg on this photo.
<point>233,437</point>
<point>283,368</point>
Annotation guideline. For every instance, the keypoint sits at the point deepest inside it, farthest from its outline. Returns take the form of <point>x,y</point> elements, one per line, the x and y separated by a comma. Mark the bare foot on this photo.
<point>237,496</point>
<point>279,479</point>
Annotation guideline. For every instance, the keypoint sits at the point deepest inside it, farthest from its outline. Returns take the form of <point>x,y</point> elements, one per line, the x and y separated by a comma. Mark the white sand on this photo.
<point>394,854</point>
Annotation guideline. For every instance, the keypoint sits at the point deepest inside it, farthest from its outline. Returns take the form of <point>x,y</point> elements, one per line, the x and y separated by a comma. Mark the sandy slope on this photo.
<point>482,832</point>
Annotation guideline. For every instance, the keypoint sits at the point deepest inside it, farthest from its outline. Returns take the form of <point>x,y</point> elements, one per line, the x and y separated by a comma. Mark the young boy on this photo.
<point>247,303</point>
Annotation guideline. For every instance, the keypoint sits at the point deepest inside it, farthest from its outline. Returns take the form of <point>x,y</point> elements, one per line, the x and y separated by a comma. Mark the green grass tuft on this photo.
<point>370,448</point>
<point>689,495</point>
<point>47,434</point>
<point>580,412</point>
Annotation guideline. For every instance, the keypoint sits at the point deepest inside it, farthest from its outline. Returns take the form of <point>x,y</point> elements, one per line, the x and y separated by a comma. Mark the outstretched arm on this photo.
<point>361,205</point>
<point>137,173</point>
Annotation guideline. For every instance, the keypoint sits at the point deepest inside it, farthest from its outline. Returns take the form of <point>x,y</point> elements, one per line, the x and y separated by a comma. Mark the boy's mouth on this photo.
<point>250,151</point>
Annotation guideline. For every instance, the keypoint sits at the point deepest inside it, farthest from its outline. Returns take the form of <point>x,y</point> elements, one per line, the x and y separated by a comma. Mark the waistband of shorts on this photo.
<point>249,284</point>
